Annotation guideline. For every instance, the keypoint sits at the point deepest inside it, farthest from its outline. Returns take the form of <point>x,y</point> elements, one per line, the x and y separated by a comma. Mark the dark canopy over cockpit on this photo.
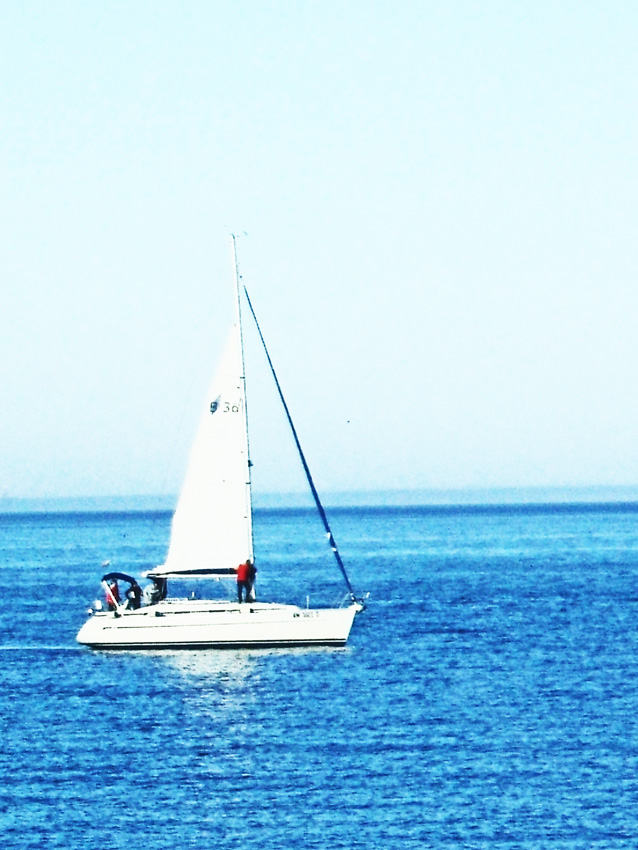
<point>133,592</point>
<point>120,577</point>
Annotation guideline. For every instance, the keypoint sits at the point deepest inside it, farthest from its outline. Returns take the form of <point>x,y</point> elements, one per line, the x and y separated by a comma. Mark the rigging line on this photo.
<point>311,483</point>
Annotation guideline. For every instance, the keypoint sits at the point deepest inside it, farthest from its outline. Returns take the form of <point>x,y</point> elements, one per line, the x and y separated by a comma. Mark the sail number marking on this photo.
<point>225,406</point>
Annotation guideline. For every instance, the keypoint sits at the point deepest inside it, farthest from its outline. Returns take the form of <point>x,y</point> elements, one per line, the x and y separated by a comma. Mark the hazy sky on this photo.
<point>441,202</point>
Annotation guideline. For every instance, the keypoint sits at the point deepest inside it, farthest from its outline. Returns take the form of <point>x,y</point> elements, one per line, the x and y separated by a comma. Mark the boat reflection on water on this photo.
<point>238,665</point>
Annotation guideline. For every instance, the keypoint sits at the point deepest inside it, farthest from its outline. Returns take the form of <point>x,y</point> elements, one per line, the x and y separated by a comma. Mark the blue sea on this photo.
<point>487,698</point>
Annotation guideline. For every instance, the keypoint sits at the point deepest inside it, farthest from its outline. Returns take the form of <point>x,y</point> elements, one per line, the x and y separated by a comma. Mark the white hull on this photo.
<point>200,624</point>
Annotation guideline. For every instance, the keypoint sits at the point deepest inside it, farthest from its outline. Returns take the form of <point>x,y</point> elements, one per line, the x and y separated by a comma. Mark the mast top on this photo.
<point>237,277</point>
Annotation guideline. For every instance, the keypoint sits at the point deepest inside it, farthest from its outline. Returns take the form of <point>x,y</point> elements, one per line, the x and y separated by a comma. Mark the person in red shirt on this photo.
<point>112,595</point>
<point>245,577</point>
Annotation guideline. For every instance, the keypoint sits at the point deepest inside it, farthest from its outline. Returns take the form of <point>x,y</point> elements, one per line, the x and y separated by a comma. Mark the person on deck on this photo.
<point>245,577</point>
<point>133,597</point>
<point>155,592</point>
<point>252,575</point>
<point>112,595</point>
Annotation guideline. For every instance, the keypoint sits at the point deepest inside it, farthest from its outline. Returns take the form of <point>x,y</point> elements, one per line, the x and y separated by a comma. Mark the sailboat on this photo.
<point>212,540</point>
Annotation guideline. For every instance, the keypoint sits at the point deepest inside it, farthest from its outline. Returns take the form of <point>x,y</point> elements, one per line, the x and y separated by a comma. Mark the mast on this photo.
<point>249,514</point>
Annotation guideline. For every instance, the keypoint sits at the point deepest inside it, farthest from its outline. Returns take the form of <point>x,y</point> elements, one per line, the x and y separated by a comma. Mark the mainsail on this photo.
<point>212,524</point>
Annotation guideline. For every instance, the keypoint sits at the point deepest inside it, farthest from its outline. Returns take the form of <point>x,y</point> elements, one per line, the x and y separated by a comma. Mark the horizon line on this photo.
<point>374,497</point>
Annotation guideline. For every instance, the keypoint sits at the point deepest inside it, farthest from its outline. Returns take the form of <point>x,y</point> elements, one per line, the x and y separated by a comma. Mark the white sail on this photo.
<point>212,525</point>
